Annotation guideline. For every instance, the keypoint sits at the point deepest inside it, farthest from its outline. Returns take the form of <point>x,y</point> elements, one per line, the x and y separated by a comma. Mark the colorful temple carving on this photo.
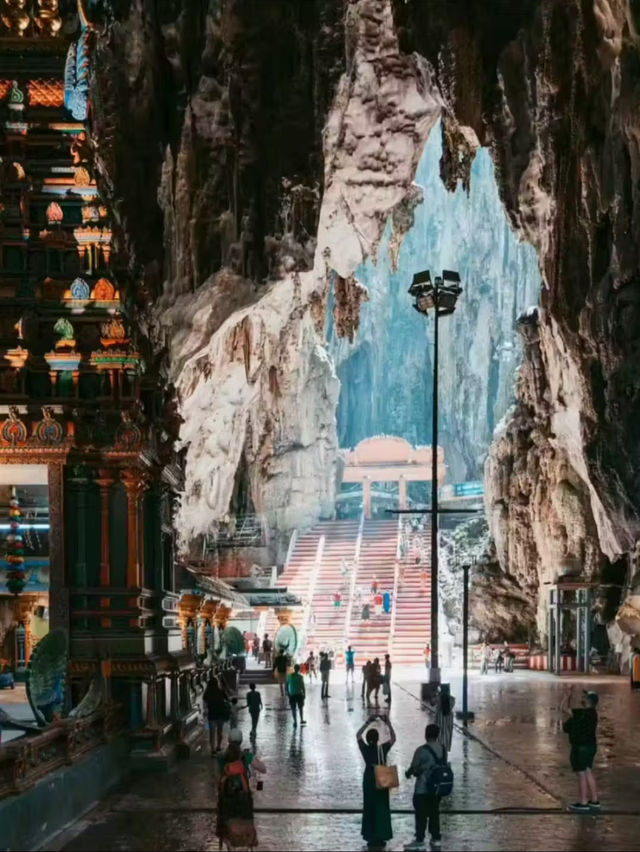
<point>79,412</point>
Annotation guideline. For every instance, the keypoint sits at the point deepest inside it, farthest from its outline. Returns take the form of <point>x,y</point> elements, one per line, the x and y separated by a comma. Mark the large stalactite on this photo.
<point>254,151</point>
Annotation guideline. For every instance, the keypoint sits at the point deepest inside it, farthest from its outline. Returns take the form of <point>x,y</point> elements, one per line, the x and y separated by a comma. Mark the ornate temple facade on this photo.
<point>81,415</point>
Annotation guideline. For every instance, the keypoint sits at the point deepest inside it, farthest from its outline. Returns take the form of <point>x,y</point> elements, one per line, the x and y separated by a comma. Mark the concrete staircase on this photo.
<point>413,607</point>
<point>377,559</point>
<point>340,539</point>
<point>298,577</point>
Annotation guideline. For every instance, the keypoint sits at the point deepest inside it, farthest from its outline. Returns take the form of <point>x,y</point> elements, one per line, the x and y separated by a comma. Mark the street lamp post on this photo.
<point>465,715</point>
<point>440,295</point>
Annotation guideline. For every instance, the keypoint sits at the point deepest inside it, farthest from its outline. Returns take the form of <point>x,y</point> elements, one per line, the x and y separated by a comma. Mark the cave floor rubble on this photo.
<point>513,779</point>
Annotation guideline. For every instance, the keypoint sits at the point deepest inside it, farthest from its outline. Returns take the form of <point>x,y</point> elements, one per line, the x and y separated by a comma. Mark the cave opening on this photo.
<point>386,372</point>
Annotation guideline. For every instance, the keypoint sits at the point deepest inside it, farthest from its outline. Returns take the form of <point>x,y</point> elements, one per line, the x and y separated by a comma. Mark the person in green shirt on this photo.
<point>296,693</point>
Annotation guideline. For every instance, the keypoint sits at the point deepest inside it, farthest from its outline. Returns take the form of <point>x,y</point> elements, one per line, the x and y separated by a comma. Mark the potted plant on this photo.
<point>6,675</point>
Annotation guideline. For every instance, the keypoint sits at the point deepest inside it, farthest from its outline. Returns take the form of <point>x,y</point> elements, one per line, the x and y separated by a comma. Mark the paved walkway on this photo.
<point>512,777</point>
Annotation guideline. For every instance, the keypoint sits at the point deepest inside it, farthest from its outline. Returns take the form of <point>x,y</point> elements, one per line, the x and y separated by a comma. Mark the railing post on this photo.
<point>394,599</point>
<point>352,583</point>
<point>312,590</point>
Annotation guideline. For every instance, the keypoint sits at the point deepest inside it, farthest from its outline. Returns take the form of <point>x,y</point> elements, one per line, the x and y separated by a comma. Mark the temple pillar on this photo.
<point>133,482</point>
<point>58,589</point>
<point>222,616</point>
<point>104,481</point>
<point>80,484</point>
<point>366,498</point>
<point>402,493</point>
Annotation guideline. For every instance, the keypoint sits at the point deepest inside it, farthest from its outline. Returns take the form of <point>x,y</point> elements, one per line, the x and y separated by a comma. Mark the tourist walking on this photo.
<point>485,658</point>
<point>374,681</point>
<point>499,661</point>
<point>386,681</point>
<point>218,712</point>
<point>425,804</point>
<point>374,585</point>
<point>377,604</point>
<point>427,655</point>
<point>366,670</point>
<point>280,665</point>
<point>581,724</point>
<point>444,715</point>
<point>337,599</point>
<point>267,649</point>
<point>325,668</point>
<point>386,601</point>
<point>296,693</point>
<point>254,706</point>
<point>311,666</point>
<point>366,612</point>
<point>256,647</point>
<point>376,813</point>
<point>349,658</point>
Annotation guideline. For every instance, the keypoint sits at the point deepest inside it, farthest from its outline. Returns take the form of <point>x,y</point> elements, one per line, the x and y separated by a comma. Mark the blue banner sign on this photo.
<point>468,489</point>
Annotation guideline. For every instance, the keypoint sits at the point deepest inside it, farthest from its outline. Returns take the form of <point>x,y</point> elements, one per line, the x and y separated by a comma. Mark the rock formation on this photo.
<point>252,151</point>
<point>385,373</point>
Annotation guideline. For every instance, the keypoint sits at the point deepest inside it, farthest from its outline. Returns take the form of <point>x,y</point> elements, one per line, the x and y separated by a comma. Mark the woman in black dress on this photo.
<point>376,814</point>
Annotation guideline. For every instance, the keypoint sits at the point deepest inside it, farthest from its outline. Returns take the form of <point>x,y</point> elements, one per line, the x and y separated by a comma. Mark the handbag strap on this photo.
<point>380,756</point>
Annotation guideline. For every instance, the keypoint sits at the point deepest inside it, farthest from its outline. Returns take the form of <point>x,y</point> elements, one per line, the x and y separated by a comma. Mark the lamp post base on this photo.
<point>465,716</point>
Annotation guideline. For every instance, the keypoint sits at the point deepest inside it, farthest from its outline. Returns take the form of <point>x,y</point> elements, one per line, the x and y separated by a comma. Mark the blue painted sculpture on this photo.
<point>76,70</point>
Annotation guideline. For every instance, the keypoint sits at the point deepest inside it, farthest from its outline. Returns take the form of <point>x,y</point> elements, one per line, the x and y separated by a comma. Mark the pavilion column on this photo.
<point>366,498</point>
<point>402,493</point>
<point>134,485</point>
<point>80,484</point>
<point>58,588</point>
<point>104,481</point>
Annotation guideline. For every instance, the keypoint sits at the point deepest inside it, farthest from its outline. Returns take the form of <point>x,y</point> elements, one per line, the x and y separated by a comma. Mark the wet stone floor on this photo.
<point>513,780</point>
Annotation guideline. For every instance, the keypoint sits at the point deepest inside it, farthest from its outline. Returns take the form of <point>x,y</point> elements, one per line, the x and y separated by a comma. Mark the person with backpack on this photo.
<point>434,780</point>
<point>235,826</point>
<point>218,712</point>
<point>376,812</point>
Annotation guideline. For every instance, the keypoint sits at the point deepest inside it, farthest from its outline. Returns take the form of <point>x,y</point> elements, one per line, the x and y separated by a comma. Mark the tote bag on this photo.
<point>386,776</point>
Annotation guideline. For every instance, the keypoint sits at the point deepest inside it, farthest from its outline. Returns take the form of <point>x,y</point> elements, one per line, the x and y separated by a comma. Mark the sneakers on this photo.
<point>436,844</point>
<point>578,808</point>
<point>415,845</point>
<point>594,806</point>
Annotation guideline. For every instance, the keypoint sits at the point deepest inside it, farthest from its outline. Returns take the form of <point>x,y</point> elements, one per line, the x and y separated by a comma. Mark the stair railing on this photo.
<point>312,591</point>
<point>352,583</point>
<point>394,599</point>
<point>292,543</point>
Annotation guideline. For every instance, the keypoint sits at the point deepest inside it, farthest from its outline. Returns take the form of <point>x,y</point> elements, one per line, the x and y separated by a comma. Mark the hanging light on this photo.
<point>14,553</point>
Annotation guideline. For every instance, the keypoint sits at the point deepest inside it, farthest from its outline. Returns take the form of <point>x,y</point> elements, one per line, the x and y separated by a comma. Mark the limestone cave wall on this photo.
<point>553,87</point>
<point>253,152</point>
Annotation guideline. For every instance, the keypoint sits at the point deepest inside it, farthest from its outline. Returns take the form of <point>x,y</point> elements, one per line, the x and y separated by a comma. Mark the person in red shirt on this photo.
<point>337,599</point>
<point>377,602</point>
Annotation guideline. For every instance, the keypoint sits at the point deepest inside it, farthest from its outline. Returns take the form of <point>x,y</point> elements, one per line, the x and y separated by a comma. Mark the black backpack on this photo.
<point>440,779</point>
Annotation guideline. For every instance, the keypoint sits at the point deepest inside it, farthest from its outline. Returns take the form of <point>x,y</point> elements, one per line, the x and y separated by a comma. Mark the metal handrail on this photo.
<point>394,599</point>
<point>352,584</point>
<point>312,590</point>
